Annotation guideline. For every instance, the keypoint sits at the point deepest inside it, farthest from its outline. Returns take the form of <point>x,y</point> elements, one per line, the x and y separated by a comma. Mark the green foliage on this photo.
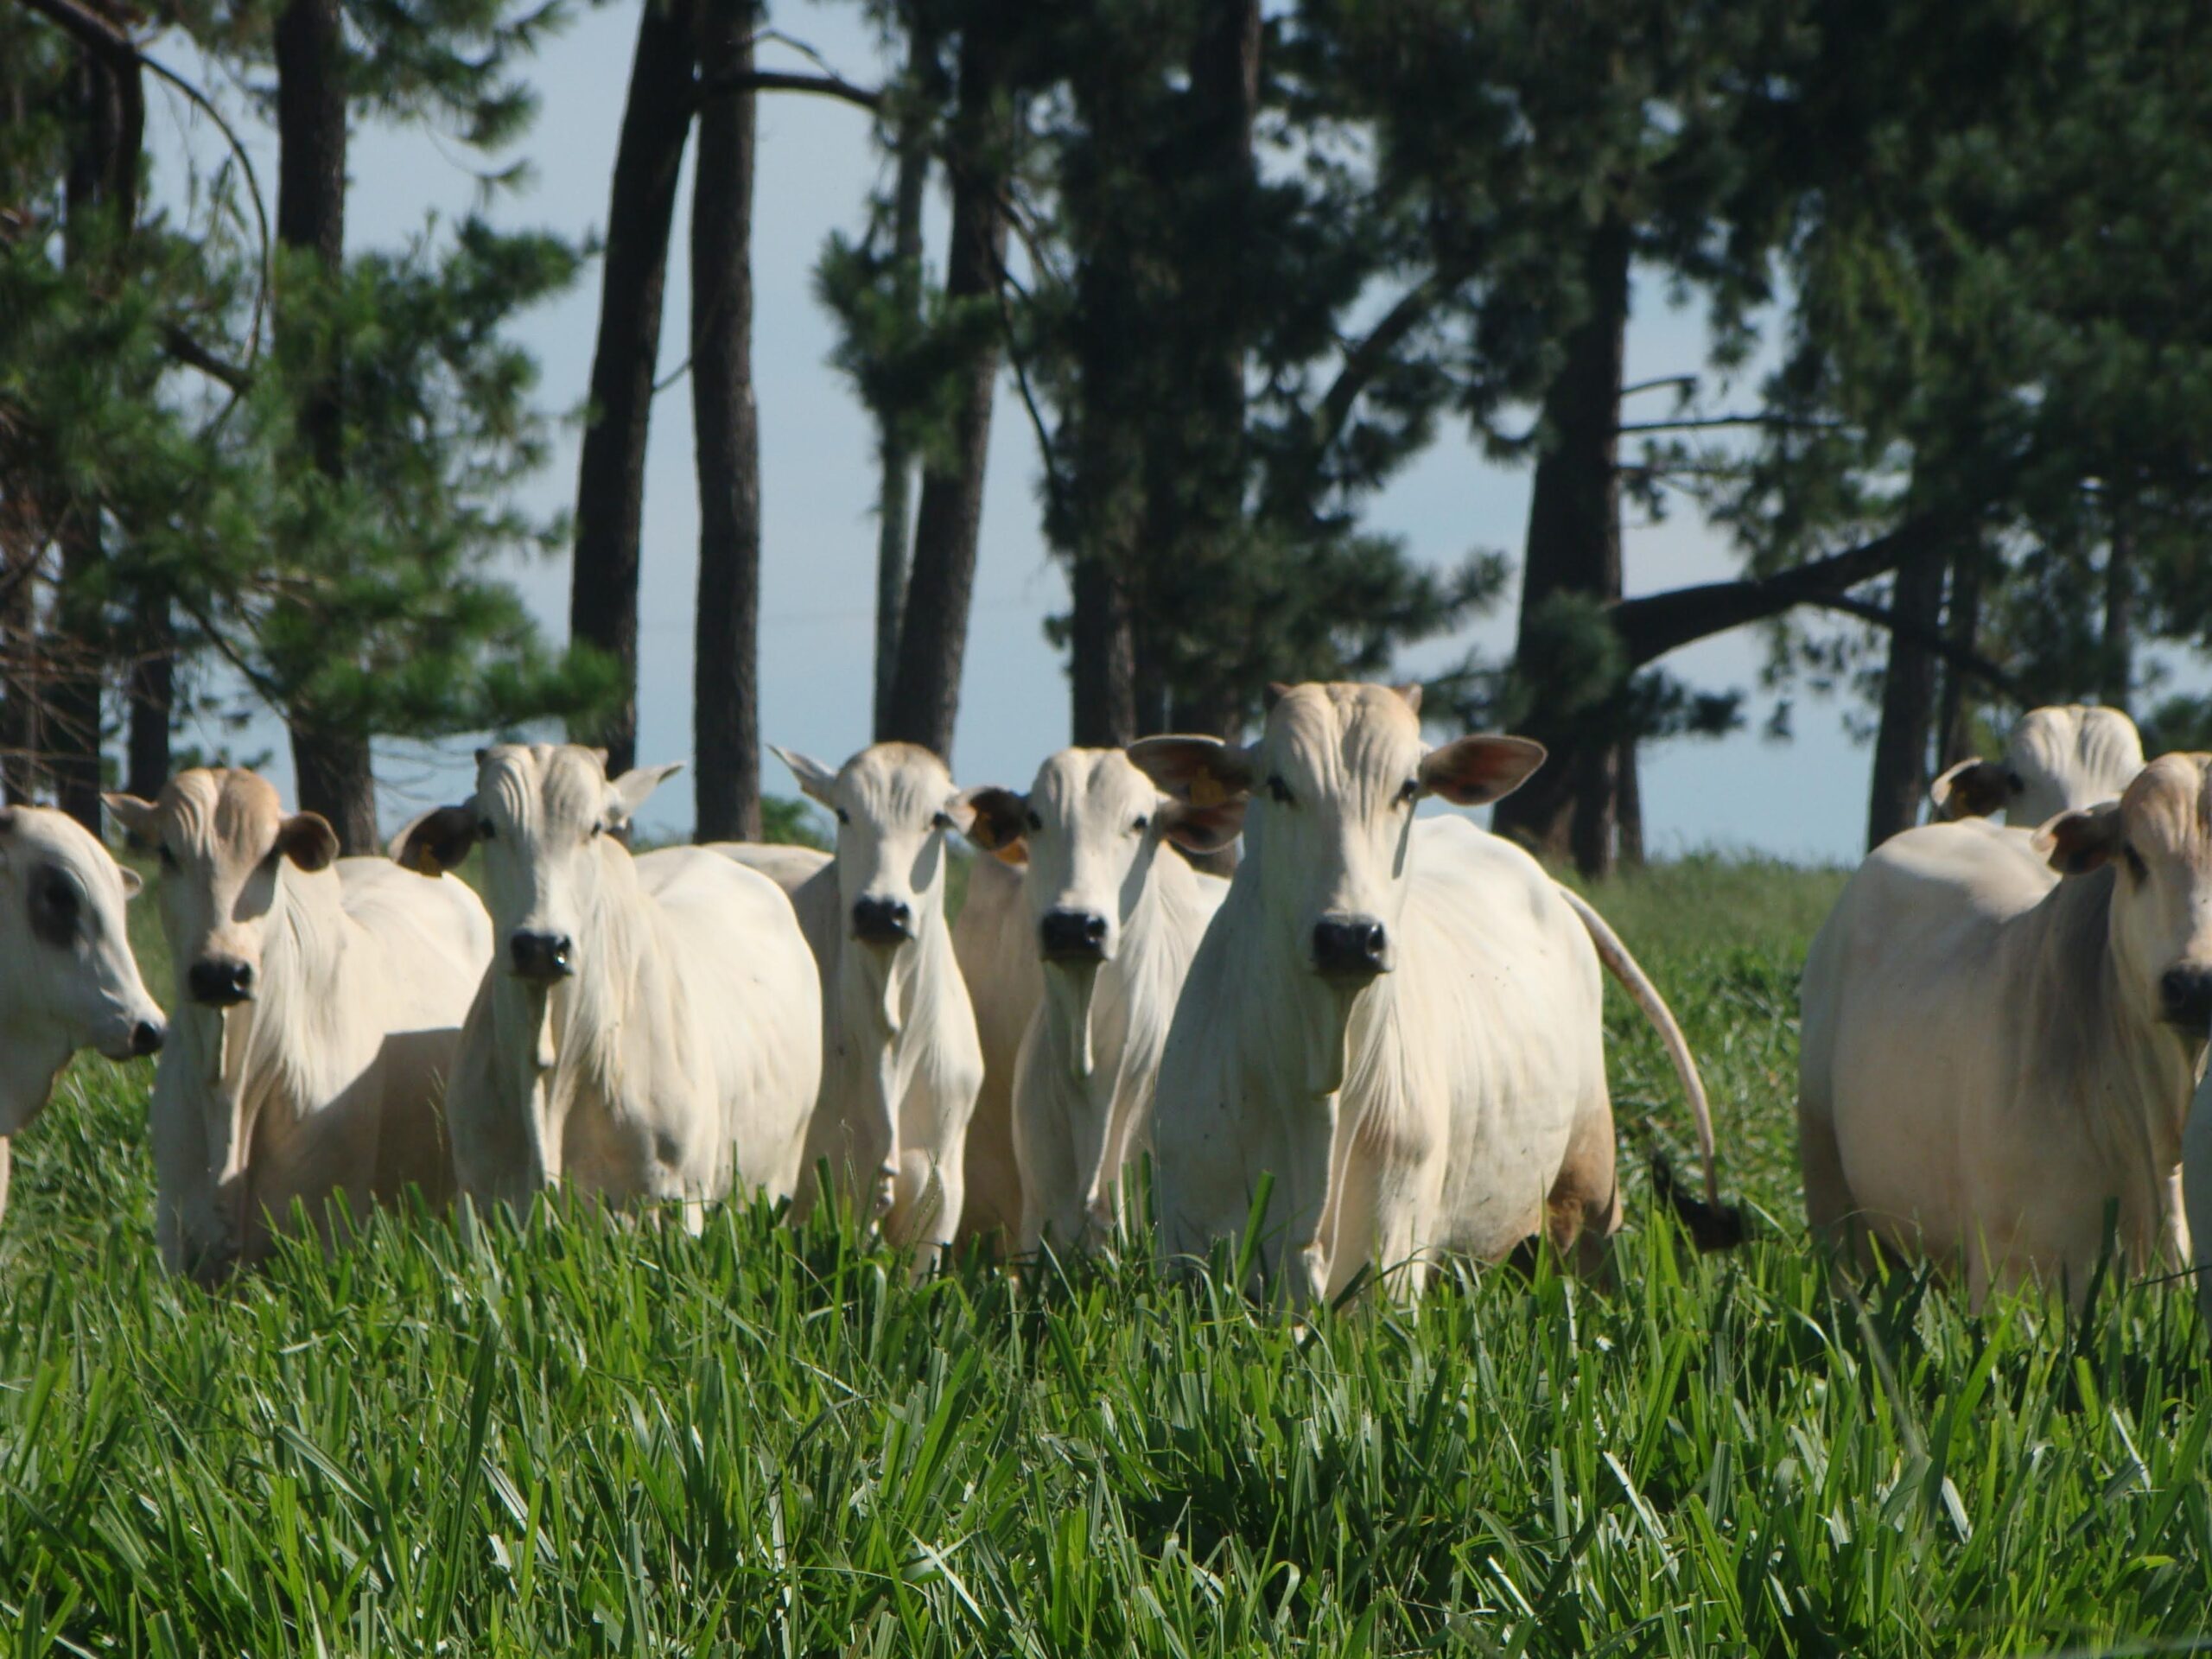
<point>789,820</point>
<point>591,1438</point>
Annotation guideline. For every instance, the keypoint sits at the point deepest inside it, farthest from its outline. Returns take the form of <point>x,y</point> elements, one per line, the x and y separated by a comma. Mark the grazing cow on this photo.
<point>1398,1020</point>
<point>319,999</point>
<point>901,1062</point>
<point>647,1032</point>
<point>1114,915</point>
<point>2055,759</point>
<point>1991,1056</point>
<point>995,942</point>
<point>70,979</point>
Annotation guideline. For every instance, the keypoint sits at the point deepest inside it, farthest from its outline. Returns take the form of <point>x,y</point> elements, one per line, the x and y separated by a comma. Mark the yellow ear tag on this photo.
<point>1206,790</point>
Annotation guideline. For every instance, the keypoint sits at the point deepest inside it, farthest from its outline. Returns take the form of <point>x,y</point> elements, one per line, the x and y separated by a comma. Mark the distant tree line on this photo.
<point>1240,270</point>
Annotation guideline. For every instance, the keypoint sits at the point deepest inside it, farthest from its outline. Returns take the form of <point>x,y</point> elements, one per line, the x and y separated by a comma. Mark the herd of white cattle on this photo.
<point>1390,1022</point>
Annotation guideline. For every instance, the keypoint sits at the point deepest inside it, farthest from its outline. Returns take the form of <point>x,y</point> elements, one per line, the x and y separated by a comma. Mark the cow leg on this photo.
<point>1828,1203</point>
<point>1583,1210</point>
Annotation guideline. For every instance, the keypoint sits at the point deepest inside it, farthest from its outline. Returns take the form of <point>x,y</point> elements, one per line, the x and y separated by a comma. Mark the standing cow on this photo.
<point>2057,758</point>
<point>1992,1057</point>
<point>901,1062</point>
<point>1397,1019</point>
<point>647,1030</point>
<point>67,978</point>
<point>1114,915</point>
<point>319,1002</point>
<point>995,942</point>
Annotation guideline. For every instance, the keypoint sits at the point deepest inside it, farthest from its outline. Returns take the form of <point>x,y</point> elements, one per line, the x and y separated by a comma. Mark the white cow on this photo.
<point>1992,1055</point>
<point>67,978</point>
<point>1396,1020</point>
<point>901,1062</point>
<point>648,1032</point>
<point>995,942</point>
<point>1114,915</point>
<point>2057,758</point>
<point>318,1000</point>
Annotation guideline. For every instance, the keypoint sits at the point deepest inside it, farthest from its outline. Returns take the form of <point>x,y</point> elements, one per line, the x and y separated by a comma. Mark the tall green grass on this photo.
<point>579,1437</point>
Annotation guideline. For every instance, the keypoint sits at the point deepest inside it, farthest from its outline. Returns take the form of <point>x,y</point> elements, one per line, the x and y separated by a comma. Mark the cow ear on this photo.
<point>438,841</point>
<point>2083,839</point>
<point>136,817</point>
<point>132,884</point>
<point>998,821</point>
<point>1972,789</point>
<point>1202,771</point>
<point>1410,692</point>
<point>1475,771</point>
<point>634,787</point>
<point>816,781</point>
<point>1203,828</point>
<point>307,840</point>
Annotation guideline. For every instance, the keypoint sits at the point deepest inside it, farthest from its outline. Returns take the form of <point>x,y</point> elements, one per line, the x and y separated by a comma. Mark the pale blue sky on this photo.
<point>1803,799</point>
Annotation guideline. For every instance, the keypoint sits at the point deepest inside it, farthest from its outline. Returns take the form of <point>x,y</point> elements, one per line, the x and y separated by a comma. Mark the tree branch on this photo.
<point>1705,422</point>
<point>178,342</point>
<point>114,48</point>
<point>1365,361</point>
<point>1929,639</point>
<point>1655,624</point>
<point>778,81</point>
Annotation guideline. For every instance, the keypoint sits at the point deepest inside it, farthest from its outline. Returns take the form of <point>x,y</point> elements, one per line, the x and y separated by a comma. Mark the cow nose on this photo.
<point>1350,947</point>
<point>882,921</point>
<point>1072,935</point>
<point>220,982</point>
<point>2185,996</point>
<point>541,956</point>
<point>146,1036</point>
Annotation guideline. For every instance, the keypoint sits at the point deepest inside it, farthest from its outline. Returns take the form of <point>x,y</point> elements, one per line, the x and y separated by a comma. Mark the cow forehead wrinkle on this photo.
<point>232,810</point>
<point>2169,805</point>
<point>1354,742</point>
<point>1079,784</point>
<point>893,784</point>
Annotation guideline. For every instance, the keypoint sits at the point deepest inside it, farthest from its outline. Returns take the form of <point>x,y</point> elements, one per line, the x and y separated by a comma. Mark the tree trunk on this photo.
<point>153,701</point>
<point>1901,773</point>
<point>330,755</point>
<point>20,739</point>
<point>726,693</point>
<point>1629,798</point>
<point>2116,684</point>
<point>1955,721</point>
<point>77,649</point>
<point>1102,659</point>
<point>1567,810</point>
<point>611,473</point>
<point>894,532</point>
<point>933,633</point>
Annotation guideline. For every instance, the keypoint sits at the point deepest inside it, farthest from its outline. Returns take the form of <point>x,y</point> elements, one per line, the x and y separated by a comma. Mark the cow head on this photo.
<point>72,981</point>
<point>1089,829</point>
<point>2055,759</point>
<point>545,814</point>
<point>893,803</point>
<point>1333,781</point>
<point>224,842</point>
<point>2157,836</point>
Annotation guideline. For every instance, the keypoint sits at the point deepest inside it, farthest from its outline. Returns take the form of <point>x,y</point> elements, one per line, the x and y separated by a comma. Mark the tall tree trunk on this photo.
<point>933,634</point>
<point>1901,772</point>
<point>611,473</point>
<point>77,649</point>
<point>2116,684</point>
<point>330,754</point>
<point>1954,719</point>
<point>153,701</point>
<point>1102,659</point>
<point>1567,810</point>
<point>1629,799</point>
<point>894,532</point>
<point>21,741</point>
<point>726,688</point>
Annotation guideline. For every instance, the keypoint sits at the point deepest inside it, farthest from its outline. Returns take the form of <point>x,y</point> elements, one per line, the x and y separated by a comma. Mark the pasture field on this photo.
<point>579,1437</point>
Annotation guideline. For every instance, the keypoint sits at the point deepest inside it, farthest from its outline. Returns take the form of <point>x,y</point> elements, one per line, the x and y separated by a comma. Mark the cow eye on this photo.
<point>1277,789</point>
<point>1142,824</point>
<point>54,908</point>
<point>843,817</point>
<point>169,858</point>
<point>483,828</point>
<point>1035,822</point>
<point>1409,793</point>
<point>2136,867</point>
<point>941,821</point>
<point>597,829</point>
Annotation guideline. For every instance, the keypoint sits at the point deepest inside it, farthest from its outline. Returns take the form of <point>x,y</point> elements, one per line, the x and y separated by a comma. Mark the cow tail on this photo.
<point>1713,1225</point>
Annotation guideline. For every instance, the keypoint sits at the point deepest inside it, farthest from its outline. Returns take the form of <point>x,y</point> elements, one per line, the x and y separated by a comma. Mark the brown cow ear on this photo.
<point>438,841</point>
<point>2083,839</point>
<point>307,840</point>
<point>1203,828</point>
<point>1202,771</point>
<point>998,821</point>
<point>1972,789</point>
<point>1475,771</point>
